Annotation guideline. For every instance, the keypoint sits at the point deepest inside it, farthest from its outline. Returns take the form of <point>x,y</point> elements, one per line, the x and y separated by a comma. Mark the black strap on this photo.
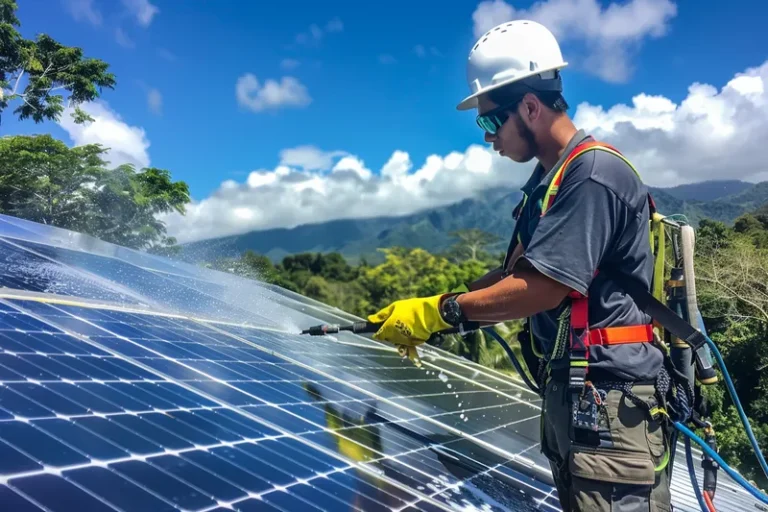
<point>657,310</point>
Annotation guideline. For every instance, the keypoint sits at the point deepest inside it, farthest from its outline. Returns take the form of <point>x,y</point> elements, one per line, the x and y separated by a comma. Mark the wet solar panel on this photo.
<point>133,383</point>
<point>233,424</point>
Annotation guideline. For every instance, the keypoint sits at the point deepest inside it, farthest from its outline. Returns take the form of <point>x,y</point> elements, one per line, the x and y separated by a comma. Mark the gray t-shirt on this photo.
<point>599,220</point>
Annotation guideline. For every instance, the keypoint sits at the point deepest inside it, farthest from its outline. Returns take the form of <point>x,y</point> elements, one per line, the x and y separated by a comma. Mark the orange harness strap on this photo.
<point>619,335</point>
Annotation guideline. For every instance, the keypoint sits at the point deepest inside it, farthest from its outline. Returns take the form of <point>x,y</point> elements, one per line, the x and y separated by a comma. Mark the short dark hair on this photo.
<point>513,93</point>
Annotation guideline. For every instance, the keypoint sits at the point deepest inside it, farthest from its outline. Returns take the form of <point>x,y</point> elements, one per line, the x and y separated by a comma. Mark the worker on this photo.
<point>606,451</point>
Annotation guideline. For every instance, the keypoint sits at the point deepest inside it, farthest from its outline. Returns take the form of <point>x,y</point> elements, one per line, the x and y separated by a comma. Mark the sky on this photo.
<point>280,114</point>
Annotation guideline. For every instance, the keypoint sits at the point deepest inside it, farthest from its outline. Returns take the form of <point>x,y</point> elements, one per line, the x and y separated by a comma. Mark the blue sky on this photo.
<point>371,91</point>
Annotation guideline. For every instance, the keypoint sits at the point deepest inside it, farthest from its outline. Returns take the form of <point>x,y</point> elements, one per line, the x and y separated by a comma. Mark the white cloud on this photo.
<point>83,10</point>
<point>611,35</point>
<point>335,25</point>
<point>289,92</point>
<point>309,158</point>
<point>289,64</point>
<point>291,195</point>
<point>166,54</point>
<point>155,101</point>
<point>122,39</point>
<point>421,51</point>
<point>386,58</point>
<point>316,33</point>
<point>142,10</point>
<point>128,144</point>
<point>710,134</point>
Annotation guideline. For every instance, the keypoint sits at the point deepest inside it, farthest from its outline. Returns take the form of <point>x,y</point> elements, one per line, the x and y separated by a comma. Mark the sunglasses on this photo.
<point>493,120</point>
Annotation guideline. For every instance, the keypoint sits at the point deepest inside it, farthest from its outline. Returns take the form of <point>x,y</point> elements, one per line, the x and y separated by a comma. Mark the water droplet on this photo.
<point>443,377</point>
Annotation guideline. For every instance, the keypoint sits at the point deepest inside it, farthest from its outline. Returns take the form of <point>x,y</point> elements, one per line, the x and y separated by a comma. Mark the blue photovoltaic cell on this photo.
<point>23,270</point>
<point>167,383</point>
<point>155,286</point>
<point>13,501</point>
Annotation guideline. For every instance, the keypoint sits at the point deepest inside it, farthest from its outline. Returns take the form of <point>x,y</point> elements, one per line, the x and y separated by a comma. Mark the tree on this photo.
<point>734,275</point>
<point>48,68</point>
<point>731,276</point>
<point>319,289</point>
<point>127,203</point>
<point>415,273</point>
<point>43,180</point>
<point>473,241</point>
<point>333,266</point>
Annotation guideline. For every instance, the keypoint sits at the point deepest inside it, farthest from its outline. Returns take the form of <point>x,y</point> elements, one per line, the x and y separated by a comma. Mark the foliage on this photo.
<point>44,180</point>
<point>125,204</point>
<point>49,69</point>
<point>472,243</point>
<point>732,272</point>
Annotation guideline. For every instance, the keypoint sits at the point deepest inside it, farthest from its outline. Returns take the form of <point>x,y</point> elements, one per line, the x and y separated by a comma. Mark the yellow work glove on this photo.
<point>409,322</point>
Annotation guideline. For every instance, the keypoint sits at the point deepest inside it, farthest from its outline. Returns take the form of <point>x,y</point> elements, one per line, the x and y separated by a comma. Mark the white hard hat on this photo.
<point>508,53</point>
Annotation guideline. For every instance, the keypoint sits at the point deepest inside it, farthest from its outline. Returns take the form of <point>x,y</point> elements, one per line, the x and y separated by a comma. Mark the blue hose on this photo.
<point>512,357</point>
<point>712,453</point>
<point>692,474</point>
<point>737,403</point>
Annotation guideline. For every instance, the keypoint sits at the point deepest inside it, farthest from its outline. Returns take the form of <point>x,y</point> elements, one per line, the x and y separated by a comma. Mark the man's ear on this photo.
<point>530,107</point>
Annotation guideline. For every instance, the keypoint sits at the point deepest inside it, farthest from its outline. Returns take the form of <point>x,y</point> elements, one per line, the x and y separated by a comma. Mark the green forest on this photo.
<point>45,180</point>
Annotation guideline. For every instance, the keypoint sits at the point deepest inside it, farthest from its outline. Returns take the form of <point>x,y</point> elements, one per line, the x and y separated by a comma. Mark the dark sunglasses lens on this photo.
<point>489,123</point>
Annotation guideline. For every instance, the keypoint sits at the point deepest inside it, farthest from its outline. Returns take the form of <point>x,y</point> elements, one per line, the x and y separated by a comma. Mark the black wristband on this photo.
<point>451,311</point>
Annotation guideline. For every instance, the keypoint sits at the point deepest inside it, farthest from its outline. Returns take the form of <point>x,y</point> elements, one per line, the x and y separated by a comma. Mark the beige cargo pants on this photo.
<point>621,478</point>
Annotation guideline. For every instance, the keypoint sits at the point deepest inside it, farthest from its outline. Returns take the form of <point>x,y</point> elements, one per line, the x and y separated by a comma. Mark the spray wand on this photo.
<point>371,327</point>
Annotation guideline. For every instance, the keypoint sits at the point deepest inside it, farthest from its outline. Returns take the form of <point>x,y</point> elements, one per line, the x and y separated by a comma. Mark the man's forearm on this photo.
<point>487,280</point>
<point>522,294</point>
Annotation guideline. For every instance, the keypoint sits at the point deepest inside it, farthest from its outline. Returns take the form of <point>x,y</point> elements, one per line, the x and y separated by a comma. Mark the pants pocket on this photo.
<point>617,466</point>
<point>610,482</point>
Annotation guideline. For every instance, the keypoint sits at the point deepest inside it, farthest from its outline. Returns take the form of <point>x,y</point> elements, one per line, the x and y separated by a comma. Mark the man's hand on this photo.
<point>410,322</point>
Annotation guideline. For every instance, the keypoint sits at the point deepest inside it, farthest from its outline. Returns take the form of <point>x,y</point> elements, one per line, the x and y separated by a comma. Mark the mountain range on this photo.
<point>722,200</point>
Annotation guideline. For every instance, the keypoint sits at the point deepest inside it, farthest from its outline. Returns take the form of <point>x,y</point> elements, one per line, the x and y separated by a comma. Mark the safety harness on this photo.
<point>674,394</point>
<point>576,336</point>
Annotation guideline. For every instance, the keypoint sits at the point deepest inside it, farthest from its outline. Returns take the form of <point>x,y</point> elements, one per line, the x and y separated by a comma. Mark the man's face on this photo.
<point>514,139</point>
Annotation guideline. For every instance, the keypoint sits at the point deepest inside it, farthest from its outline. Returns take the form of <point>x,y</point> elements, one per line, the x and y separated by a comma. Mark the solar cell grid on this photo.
<point>155,288</point>
<point>23,230</point>
<point>23,270</point>
<point>328,415</point>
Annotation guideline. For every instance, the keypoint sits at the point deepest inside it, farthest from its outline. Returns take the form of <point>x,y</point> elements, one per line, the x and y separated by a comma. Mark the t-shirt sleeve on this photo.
<point>575,234</point>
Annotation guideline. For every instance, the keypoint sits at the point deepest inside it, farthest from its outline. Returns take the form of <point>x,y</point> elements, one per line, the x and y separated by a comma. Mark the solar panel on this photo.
<point>132,383</point>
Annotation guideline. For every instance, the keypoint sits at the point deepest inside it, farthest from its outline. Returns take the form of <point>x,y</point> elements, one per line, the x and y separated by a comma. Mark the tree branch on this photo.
<point>18,80</point>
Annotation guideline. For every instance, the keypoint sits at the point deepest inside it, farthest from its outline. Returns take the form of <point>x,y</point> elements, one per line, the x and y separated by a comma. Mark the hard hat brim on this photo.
<point>471,101</point>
